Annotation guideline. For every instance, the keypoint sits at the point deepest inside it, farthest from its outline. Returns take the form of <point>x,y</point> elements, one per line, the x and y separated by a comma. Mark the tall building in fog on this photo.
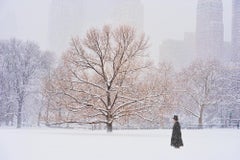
<point>70,18</point>
<point>180,53</point>
<point>209,29</point>
<point>129,12</point>
<point>65,20</point>
<point>236,29</point>
<point>8,20</point>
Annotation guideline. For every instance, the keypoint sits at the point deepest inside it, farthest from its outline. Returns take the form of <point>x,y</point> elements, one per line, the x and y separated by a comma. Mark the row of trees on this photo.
<point>22,65</point>
<point>106,78</point>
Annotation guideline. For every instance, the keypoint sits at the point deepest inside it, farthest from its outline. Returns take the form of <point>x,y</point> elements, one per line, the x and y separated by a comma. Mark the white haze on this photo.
<point>163,19</point>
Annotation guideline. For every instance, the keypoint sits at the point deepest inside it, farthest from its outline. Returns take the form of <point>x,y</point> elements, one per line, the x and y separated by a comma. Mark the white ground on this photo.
<point>60,144</point>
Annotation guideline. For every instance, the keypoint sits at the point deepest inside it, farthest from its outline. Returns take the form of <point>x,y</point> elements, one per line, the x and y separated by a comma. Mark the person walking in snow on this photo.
<point>176,140</point>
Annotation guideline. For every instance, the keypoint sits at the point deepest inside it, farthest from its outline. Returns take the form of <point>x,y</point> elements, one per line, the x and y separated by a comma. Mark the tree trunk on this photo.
<point>109,116</point>
<point>200,119</point>
<point>39,118</point>
<point>109,123</point>
<point>19,114</point>
<point>8,116</point>
<point>47,113</point>
<point>109,127</point>
<point>200,123</point>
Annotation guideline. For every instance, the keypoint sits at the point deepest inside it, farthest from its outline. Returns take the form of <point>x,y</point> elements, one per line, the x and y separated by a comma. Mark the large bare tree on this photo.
<point>99,80</point>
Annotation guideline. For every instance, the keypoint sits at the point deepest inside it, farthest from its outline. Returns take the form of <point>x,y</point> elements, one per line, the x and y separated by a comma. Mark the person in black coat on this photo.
<point>176,140</point>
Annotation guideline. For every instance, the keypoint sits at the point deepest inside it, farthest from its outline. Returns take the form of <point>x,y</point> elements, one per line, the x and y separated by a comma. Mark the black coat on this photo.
<point>176,140</point>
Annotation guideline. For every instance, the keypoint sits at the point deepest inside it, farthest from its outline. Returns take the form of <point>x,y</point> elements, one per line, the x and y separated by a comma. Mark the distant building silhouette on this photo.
<point>209,29</point>
<point>236,29</point>
<point>129,12</point>
<point>8,20</point>
<point>71,18</point>
<point>64,22</point>
<point>180,53</point>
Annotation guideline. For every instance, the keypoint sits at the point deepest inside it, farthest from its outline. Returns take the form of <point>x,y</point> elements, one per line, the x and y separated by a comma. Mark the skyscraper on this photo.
<point>209,29</point>
<point>8,20</point>
<point>129,12</point>
<point>71,18</point>
<point>178,52</point>
<point>236,29</point>
<point>65,21</point>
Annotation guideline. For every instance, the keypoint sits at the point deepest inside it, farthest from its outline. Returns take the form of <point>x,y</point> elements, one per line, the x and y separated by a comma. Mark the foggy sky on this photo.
<point>163,19</point>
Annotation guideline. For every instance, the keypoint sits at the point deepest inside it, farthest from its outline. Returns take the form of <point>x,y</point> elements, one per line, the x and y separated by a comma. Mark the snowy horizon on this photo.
<point>139,145</point>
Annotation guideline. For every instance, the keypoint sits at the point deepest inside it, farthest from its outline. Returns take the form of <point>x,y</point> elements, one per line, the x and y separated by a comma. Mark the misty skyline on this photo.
<point>28,20</point>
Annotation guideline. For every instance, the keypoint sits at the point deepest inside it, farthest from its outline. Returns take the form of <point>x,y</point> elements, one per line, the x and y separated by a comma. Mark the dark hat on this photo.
<point>175,117</point>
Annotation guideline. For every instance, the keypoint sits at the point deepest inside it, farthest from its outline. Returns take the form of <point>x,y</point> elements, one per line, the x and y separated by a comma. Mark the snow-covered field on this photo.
<point>61,144</point>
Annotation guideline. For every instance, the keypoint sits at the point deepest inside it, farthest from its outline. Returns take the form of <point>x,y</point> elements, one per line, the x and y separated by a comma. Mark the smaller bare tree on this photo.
<point>199,85</point>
